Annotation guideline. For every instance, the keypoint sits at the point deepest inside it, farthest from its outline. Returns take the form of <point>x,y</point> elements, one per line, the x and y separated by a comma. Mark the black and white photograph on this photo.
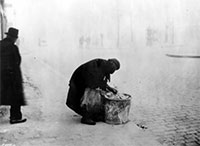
<point>100,73</point>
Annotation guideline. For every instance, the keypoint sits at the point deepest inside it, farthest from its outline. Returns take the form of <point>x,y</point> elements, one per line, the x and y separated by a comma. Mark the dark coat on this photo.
<point>92,74</point>
<point>11,88</point>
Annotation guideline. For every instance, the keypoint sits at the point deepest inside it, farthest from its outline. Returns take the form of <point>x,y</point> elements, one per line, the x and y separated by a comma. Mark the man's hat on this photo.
<point>13,32</point>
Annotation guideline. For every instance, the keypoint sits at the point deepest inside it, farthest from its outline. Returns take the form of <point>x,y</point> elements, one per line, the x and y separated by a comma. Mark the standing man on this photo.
<point>88,77</point>
<point>11,88</point>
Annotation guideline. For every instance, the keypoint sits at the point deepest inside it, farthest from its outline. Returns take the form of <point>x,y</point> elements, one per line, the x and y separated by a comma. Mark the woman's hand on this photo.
<point>112,89</point>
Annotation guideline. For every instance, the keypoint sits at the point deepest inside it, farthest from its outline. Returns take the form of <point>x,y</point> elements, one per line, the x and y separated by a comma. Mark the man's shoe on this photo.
<point>15,121</point>
<point>87,121</point>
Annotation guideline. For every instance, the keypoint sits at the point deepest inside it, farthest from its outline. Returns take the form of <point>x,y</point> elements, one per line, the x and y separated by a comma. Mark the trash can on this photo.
<point>117,108</point>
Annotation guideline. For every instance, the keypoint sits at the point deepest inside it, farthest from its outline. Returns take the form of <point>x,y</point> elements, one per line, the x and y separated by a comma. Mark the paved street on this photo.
<point>179,125</point>
<point>50,122</point>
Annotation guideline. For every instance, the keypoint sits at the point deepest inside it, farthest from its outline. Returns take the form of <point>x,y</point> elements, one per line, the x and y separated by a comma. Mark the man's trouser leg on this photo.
<point>15,112</point>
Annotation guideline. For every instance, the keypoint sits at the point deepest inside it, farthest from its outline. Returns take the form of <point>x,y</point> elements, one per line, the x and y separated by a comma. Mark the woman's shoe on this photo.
<point>87,121</point>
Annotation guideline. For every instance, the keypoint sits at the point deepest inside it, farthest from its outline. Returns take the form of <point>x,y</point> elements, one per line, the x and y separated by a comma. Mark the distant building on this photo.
<point>3,20</point>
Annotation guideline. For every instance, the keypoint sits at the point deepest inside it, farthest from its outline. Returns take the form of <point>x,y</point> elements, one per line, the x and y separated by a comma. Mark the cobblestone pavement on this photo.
<point>178,125</point>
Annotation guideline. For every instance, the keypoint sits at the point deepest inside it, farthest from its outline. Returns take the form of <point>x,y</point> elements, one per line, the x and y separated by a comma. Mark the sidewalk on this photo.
<point>69,132</point>
<point>51,123</point>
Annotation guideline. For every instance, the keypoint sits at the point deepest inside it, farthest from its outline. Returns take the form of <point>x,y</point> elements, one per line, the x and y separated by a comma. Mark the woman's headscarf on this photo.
<point>115,62</point>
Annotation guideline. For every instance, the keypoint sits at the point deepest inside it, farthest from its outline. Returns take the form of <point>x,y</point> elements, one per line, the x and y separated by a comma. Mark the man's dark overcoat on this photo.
<point>92,75</point>
<point>11,88</point>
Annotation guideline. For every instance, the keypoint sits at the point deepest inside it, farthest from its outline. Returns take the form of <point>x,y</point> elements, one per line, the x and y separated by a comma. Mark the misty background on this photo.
<point>63,34</point>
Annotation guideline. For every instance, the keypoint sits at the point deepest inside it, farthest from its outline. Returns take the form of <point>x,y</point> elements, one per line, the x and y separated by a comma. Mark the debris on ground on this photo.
<point>142,126</point>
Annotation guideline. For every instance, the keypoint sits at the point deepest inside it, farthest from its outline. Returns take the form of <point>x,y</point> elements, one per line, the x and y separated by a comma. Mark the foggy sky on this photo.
<point>127,20</point>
